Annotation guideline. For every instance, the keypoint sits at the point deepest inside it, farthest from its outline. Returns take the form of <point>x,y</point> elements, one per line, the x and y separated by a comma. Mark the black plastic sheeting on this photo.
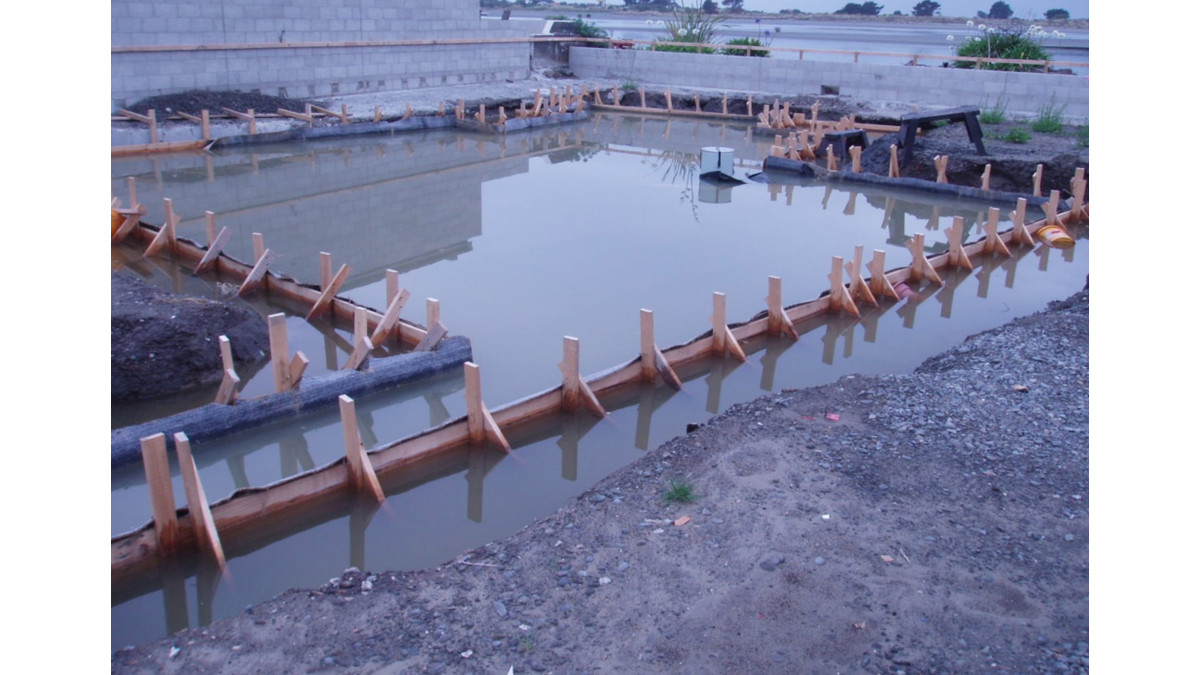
<point>806,169</point>
<point>214,420</point>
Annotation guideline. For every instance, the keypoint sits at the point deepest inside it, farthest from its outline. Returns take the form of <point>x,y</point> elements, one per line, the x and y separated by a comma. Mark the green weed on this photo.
<point>680,491</point>
<point>1049,119</point>
<point>995,113</point>
<point>1017,135</point>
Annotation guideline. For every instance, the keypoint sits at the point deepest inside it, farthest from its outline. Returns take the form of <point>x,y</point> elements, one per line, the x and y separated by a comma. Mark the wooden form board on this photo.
<point>135,551</point>
<point>202,521</point>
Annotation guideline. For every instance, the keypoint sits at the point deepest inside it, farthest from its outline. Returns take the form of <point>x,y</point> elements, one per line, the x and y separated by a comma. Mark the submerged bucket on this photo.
<point>1055,236</point>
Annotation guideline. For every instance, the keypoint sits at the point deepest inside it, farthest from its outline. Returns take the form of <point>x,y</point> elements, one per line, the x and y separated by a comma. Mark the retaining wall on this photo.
<point>242,51</point>
<point>1024,93</point>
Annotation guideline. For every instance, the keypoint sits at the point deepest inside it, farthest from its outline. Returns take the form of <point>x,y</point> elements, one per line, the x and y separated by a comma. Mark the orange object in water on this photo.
<point>117,219</point>
<point>1055,236</point>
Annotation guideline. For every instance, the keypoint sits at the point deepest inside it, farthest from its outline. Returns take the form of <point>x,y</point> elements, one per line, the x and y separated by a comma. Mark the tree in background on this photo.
<point>1057,15</point>
<point>1000,10</point>
<point>867,8</point>
<point>734,6</point>
<point>709,6</point>
<point>926,8</point>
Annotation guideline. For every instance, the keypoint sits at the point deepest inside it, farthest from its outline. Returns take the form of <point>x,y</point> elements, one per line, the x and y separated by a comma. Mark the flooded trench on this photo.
<point>525,239</point>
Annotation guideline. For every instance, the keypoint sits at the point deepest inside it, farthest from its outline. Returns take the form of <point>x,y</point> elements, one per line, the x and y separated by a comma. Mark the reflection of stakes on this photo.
<point>934,219</point>
<point>769,363</point>
<point>575,388</point>
<point>849,210</point>
<point>835,328</point>
<point>957,256</point>
<point>362,474</point>
<point>908,310</point>
<point>480,424</point>
<point>361,513</point>
<point>718,370</point>
<point>723,339</point>
<point>653,362</point>
<point>294,456</point>
<point>946,294</point>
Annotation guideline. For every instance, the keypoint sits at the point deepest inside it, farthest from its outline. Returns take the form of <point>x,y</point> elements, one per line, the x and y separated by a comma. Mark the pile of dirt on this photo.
<point>197,100</point>
<point>164,343</point>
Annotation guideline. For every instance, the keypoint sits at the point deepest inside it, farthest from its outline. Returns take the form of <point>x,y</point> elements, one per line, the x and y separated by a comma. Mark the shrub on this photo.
<point>1017,135</point>
<point>732,50</point>
<point>1003,44</point>
<point>690,24</point>
<point>679,491</point>
<point>630,85</point>
<point>1081,136</point>
<point>995,113</point>
<point>1049,119</point>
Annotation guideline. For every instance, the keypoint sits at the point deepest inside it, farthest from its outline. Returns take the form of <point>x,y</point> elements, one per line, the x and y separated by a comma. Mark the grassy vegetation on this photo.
<point>994,113</point>
<point>1017,135</point>
<point>1049,119</point>
<point>1081,136</point>
<point>737,47</point>
<point>679,491</point>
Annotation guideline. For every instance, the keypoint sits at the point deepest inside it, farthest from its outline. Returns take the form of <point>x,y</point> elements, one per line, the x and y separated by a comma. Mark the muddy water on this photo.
<point>524,240</point>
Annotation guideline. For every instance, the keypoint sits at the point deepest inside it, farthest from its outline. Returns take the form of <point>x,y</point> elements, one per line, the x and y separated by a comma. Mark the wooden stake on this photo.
<point>859,290</point>
<point>669,102</point>
<point>726,342</point>
<point>162,497</point>
<point>389,317</point>
<point>724,103</point>
<point>433,336</point>
<point>379,112</point>
<point>653,361</point>
<point>839,296</point>
<point>362,474</point>
<point>1037,181</point>
<point>481,116</point>
<point>480,424</point>
<point>202,520</point>
<point>227,392</point>
<point>957,255</point>
<point>280,364</point>
<point>575,388</point>
<point>985,182</point>
<point>994,243</point>
<point>698,103</point>
<point>165,238</point>
<point>325,301</point>
<point>255,278</point>
<point>1078,188</point>
<point>921,268</point>
<point>856,158</point>
<point>214,250</point>
<point>362,343</point>
<point>205,129</point>
<point>830,162</point>
<point>433,312</point>
<point>894,165</point>
<point>1050,208</point>
<point>1020,233</point>
<point>616,97</point>
<point>941,162</point>
<point>778,322</point>
<point>257,244</point>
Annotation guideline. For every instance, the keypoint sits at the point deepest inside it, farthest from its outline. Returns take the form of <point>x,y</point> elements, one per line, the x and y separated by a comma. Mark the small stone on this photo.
<point>818,560</point>
<point>500,608</point>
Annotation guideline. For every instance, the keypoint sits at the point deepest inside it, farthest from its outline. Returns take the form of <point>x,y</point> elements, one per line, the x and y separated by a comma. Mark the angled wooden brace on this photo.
<point>575,388</point>
<point>162,496</point>
<point>957,255</point>
<point>263,258</point>
<point>362,474</point>
<point>1020,233</point>
<point>362,342</point>
<point>202,519</point>
<point>653,360</point>
<point>227,392</point>
<point>880,285</point>
<point>395,305</point>
<point>839,297</point>
<point>778,322</point>
<point>166,234</point>
<point>723,339</point>
<point>859,290</point>
<point>217,244</point>
<point>325,300</point>
<point>287,371</point>
<point>132,214</point>
<point>994,243</point>
<point>1078,189</point>
<point>480,424</point>
<point>921,268</point>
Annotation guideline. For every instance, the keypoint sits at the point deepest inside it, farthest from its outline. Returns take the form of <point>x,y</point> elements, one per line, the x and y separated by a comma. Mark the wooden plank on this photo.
<point>280,359</point>
<point>201,515</point>
<point>856,158</point>
<point>297,367</point>
<point>663,367</point>
<point>432,338</point>
<point>880,284</point>
<point>894,164</point>
<point>214,250</point>
<point>295,115</point>
<point>718,322</point>
<point>474,396</point>
<point>957,256</point>
<point>131,185</point>
<point>859,290</point>
<point>329,113</point>
<point>358,357</point>
<point>165,239</point>
<point>986,180</point>
<point>257,244</point>
<point>569,367</point>
<point>325,301</point>
<point>325,265</point>
<point>941,162</point>
<point>921,267</point>
<point>778,322</point>
<point>362,474</point>
<point>227,391</point>
<point>1037,181</point>
<point>1050,208</point>
<point>839,296</point>
<point>1078,188</point>
<point>129,225</point>
<point>389,317</point>
<point>210,227</point>
<point>1020,233</point>
<point>993,243</point>
<point>162,497</point>
<point>255,277</point>
<point>647,357</point>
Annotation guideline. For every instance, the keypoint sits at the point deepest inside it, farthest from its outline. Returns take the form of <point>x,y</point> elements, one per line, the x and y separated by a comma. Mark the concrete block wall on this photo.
<point>304,72</point>
<point>1024,93</point>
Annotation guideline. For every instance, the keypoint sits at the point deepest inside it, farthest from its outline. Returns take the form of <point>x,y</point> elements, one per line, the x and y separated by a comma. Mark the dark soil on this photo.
<point>195,101</point>
<point>163,343</point>
<point>927,523</point>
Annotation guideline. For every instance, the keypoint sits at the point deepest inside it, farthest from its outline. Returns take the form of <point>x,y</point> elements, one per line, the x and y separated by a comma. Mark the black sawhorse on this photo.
<point>841,141</point>
<point>910,122</point>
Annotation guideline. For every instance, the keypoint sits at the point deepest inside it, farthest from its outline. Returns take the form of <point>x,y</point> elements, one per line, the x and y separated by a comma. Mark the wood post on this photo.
<point>985,181</point>
<point>616,96</point>
<point>724,103</point>
<point>957,255</point>
<point>247,116</point>
<point>325,300</point>
<point>839,296</point>
<point>994,243</point>
<point>1020,234</point>
<point>830,162</point>
<point>257,244</point>
<point>202,520</point>
<point>481,116</point>
<point>389,317</point>
<point>653,361</point>
<point>255,278</point>
<point>362,343</point>
<point>362,474</point>
<point>287,372</point>
<point>778,322</point>
<point>433,312</point>
<point>1078,188</point>
<point>165,238</point>
<point>856,158</point>
<point>210,227</point>
<point>162,496</point>
<point>670,103</point>
<point>941,161</point>
<point>325,267</point>
<point>214,250</point>
<point>1037,181</point>
<point>723,339</point>
<point>480,424</point>
<point>575,388</point>
<point>227,392</point>
<point>858,286</point>
<point>921,268</point>
<point>379,112</point>
<point>894,165</point>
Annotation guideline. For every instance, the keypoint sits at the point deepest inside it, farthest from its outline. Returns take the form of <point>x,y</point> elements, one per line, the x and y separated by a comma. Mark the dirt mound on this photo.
<point>193,102</point>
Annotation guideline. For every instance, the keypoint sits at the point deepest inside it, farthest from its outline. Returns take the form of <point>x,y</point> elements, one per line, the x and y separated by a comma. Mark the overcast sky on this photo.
<point>1022,9</point>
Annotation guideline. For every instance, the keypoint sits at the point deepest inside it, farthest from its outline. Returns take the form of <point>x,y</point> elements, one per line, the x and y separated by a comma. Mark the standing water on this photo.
<point>525,239</point>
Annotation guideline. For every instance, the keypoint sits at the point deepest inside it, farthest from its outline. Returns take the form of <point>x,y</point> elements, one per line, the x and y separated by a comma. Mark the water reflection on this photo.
<point>525,239</point>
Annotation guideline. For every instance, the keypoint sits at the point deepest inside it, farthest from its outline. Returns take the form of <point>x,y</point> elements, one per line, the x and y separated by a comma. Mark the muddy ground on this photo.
<point>927,523</point>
